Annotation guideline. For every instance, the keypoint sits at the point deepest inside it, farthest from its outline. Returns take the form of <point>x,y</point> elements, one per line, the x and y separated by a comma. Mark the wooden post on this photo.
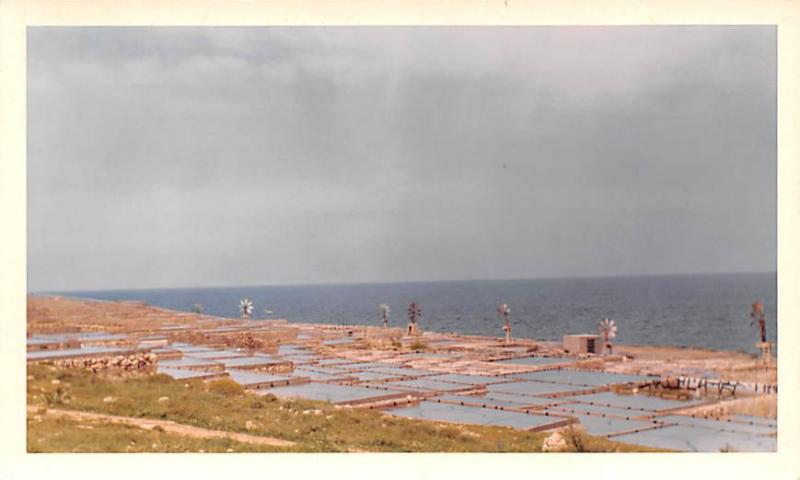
<point>766,353</point>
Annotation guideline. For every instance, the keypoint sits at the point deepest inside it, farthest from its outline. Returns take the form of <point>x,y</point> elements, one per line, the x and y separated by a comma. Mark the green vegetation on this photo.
<point>226,386</point>
<point>50,434</point>
<point>314,426</point>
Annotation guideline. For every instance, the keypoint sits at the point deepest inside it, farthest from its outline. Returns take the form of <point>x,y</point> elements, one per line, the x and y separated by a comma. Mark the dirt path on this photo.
<point>168,426</point>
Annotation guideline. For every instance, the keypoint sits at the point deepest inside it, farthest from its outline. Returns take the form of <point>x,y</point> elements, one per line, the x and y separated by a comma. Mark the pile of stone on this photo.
<point>243,340</point>
<point>142,361</point>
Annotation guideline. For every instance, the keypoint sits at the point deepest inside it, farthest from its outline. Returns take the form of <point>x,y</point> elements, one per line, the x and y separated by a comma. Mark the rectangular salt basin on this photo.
<point>335,361</point>
<point>644,402</point>
<point>328,370</point>
<point>367,376</point>
<point>186,348</point>
<point>467,379</point>
<point>369,365</point>
<point>579,408</point>
<point>314,375</point>
<point>265,357</point>
<point>424,384</point>
<point>531,388</point>
<point>522,400</point>
<point>300,358</point>
<point>405,372</point>
<point>250,378</point>
<point>692,439</point>
<point>180,374</point>
<point>288,349</point>
<point>582,377</point>
<point>99,336</point>
<point>338,341</point>
<point>245,361</point>
<point>216,354</point>
<point>40,339</point>
<point>769,422</point>
<point>187,362</point>
<point>536,361</point>
<point>75,352</point>
<point>62,337</point>
<point>719,425</point>
<point>164,350</point>
<point>595,425</point>
<point>326,392</point>
<point>474,415</point>
<point>475,400</point>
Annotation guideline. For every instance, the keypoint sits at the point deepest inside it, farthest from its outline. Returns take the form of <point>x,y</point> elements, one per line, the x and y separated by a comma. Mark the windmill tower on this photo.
<point>414,312</point>
<point>383,309</point>
<point>608,328</point>
<point>246,308</point>
<point>758,316</point>
<point>504,312</point>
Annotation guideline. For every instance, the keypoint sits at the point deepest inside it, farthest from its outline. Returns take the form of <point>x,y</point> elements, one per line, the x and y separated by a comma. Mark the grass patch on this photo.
<point>314,426</point>
<point>226,386</point>
<point>52,434</point>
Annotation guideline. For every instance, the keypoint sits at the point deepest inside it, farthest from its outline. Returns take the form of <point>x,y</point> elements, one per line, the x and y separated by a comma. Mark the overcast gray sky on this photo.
<point>167,157</point>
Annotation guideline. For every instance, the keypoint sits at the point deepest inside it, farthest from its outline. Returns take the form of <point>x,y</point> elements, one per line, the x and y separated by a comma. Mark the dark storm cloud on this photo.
<point>183,156</point>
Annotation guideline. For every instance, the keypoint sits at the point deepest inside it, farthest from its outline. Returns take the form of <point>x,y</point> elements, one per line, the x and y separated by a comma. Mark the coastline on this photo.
<point>447,378</point>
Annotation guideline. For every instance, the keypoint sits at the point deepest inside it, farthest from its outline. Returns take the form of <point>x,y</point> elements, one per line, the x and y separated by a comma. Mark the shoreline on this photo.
<point>633,346</point>
<point>656,359</point>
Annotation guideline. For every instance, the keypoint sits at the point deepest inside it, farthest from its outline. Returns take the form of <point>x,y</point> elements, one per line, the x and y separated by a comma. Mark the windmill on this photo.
<point>757,314</point>
<point>414,312</point>
<point>246,308</point>
<point>504,312</point>
<point>609,330</point>
<point>384,311</point>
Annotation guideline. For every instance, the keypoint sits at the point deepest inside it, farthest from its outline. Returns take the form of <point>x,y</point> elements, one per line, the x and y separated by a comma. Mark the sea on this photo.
<point>708,311</point>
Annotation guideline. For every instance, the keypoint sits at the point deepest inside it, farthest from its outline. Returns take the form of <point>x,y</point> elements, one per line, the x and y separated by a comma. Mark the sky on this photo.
<point>177,157</point>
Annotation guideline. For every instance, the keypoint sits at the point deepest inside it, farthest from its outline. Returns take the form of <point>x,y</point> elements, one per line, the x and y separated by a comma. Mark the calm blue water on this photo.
<point>710,311</point>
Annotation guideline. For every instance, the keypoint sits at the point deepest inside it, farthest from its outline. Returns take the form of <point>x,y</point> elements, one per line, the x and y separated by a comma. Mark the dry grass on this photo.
<point>757,406</point>
<point>761,406</point>
<point>750,373</point>
<point>676,361</point>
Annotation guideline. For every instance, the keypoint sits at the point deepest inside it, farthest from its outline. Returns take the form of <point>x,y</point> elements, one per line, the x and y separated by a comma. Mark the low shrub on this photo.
<point>226,386</point>
<point>574,437</point>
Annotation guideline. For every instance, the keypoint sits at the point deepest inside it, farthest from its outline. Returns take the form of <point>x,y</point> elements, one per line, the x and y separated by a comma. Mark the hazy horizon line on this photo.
<point>400,282</point>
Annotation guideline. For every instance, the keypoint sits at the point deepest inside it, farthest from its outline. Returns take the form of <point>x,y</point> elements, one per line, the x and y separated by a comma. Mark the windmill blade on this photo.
<point>246,306</point>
